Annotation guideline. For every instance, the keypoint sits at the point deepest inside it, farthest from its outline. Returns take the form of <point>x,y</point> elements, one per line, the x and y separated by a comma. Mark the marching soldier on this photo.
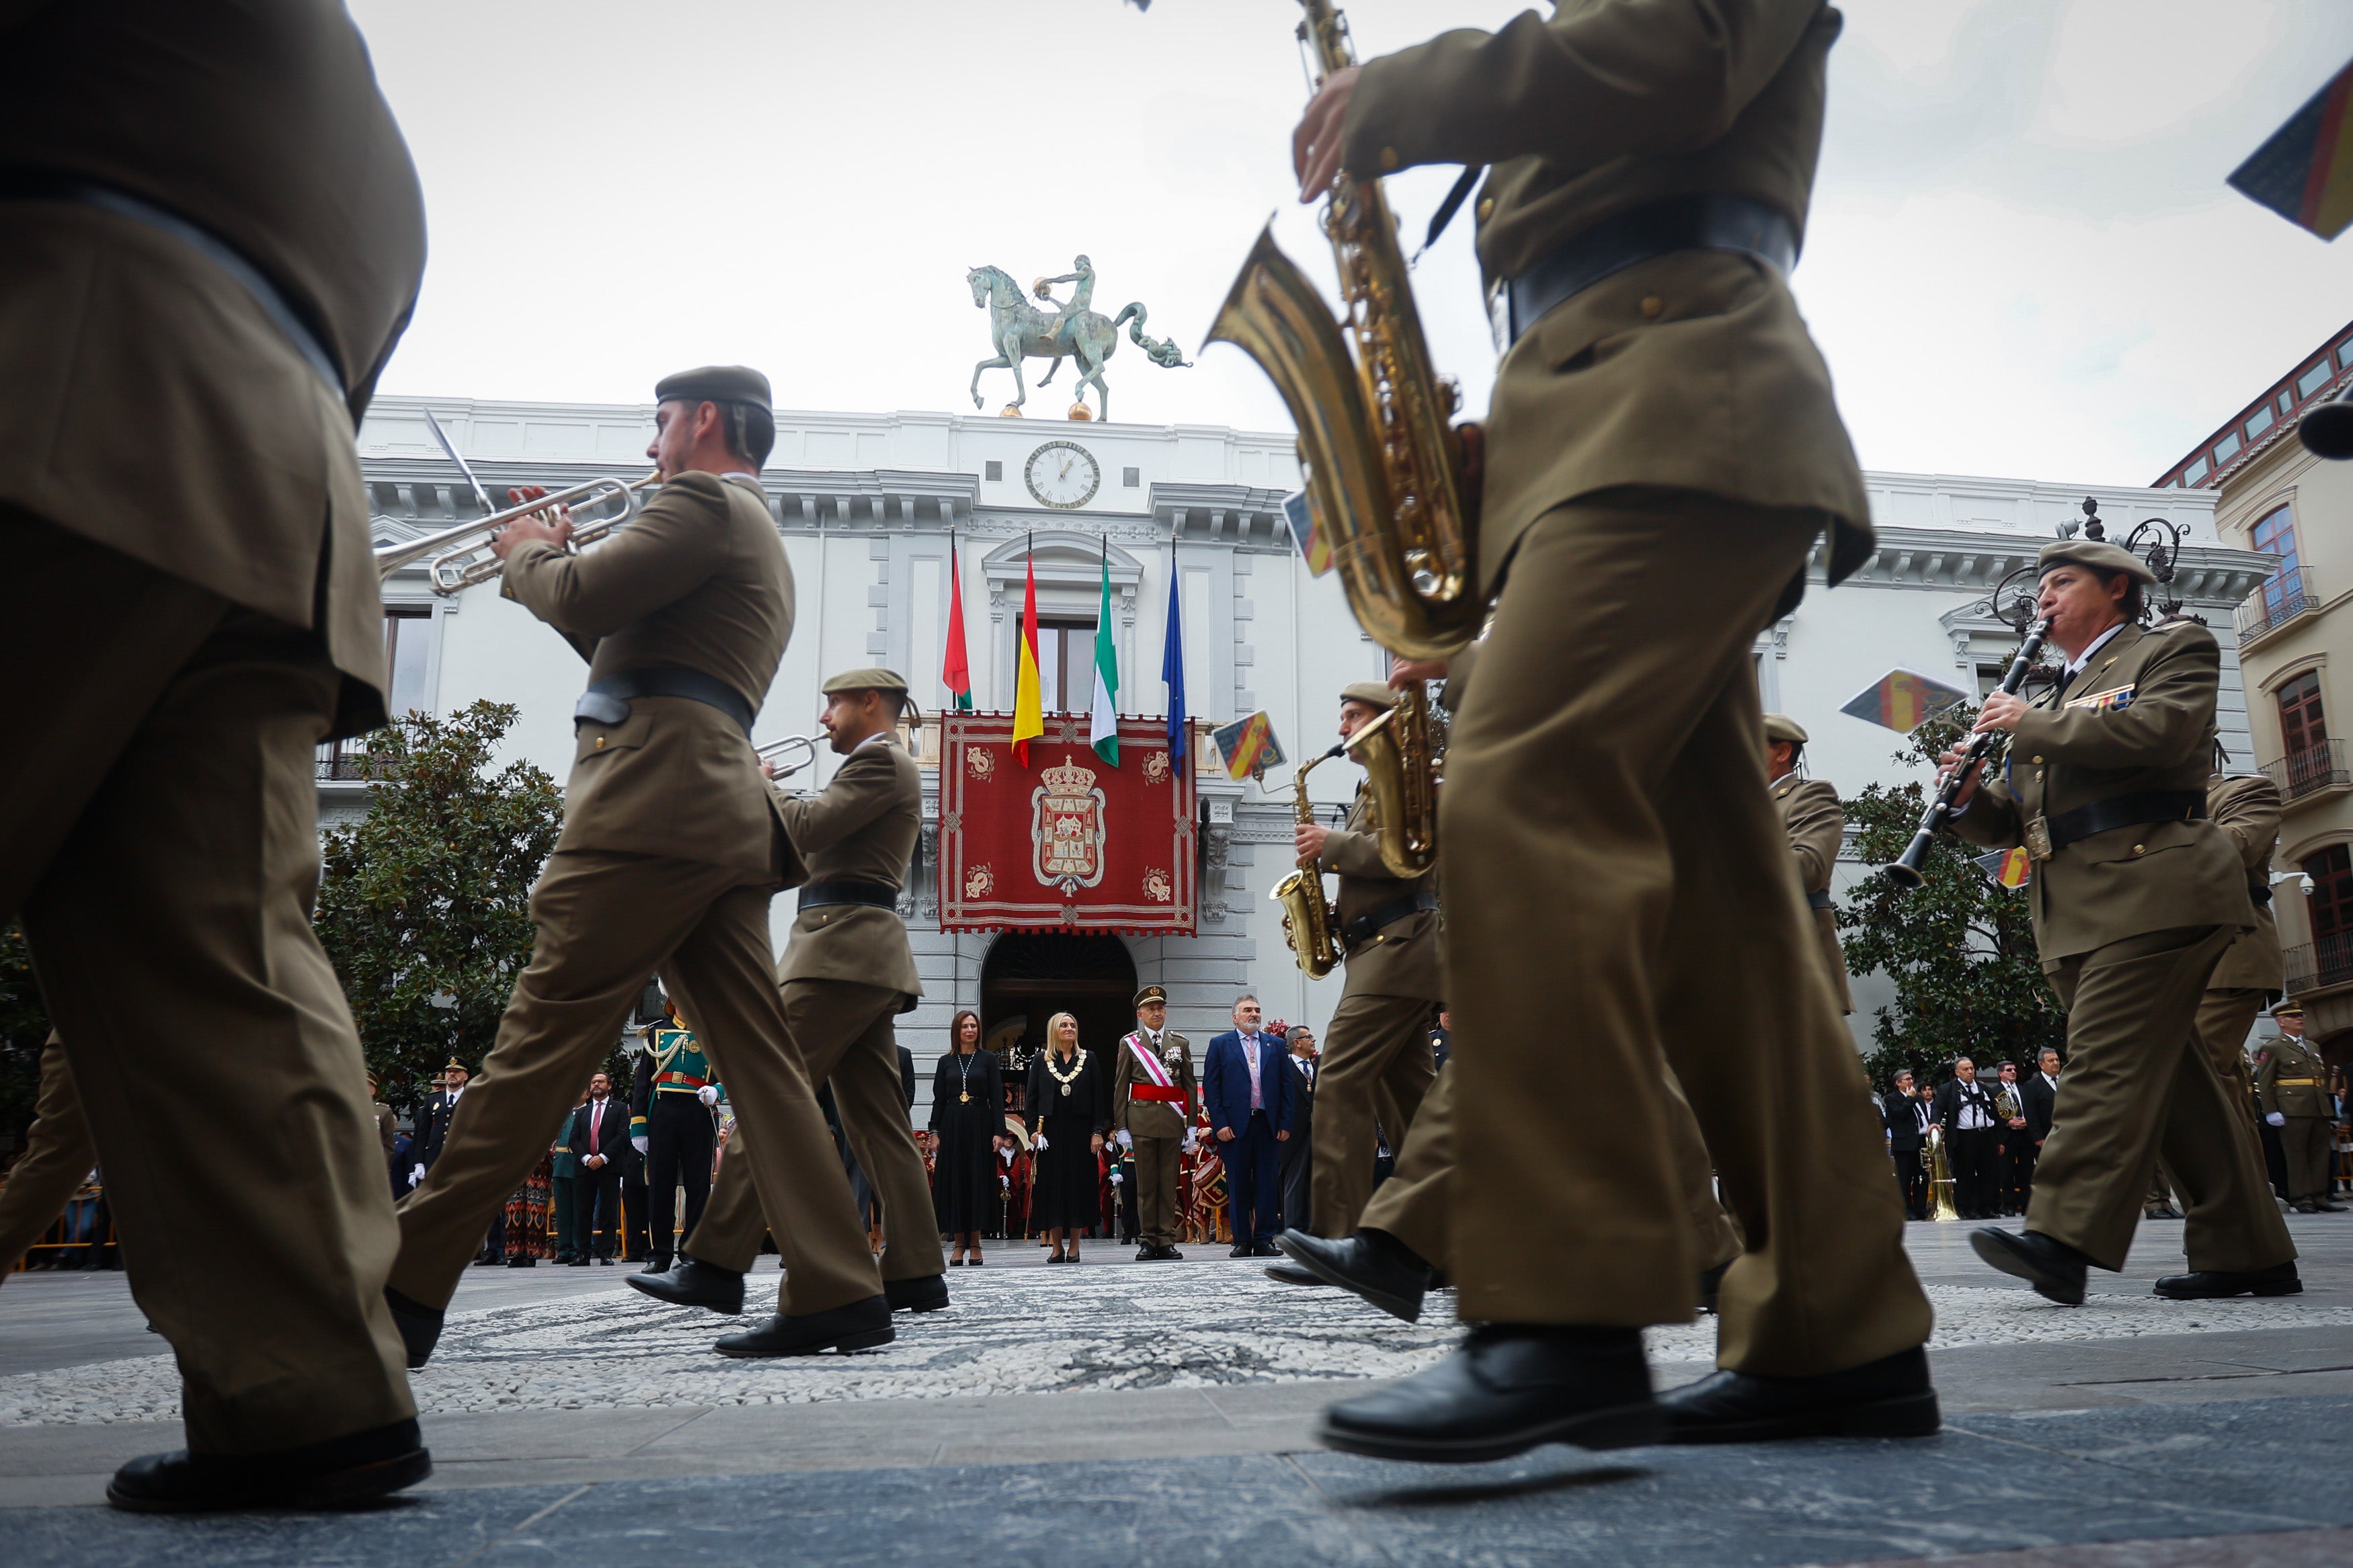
<point>1663,454</point>
<point>2135,898</point>
<point>1153,1098</point>
<point>1814,821</point>
<point>846,975</point>
<point>670,1127</point>
<point>210,234</point>
<point>56,1162</point>
<point>2251,970</point>
<point>672,846</point>
<point>1391,934</point>
<point>2292,1080</point>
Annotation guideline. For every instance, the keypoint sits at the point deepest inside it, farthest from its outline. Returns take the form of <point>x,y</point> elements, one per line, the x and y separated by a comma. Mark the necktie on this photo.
<point>594,1106</point>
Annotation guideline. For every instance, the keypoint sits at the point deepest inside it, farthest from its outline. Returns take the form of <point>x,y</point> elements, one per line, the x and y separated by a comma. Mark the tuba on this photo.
<point>1399,752</point>
<point>1384,469</point>
<point>1308,923</point>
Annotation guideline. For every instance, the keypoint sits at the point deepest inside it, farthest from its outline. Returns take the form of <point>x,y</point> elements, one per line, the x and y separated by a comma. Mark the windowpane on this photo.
<point>2260,423</point>
<point>2331,898</point>
<point>2226,448</point>
<point>2195,473</point>
<point>2287,401</point>
<point>1066,655</point>
<point>408,653</point>
<point>2313,380</point>
<point>2303,728</point>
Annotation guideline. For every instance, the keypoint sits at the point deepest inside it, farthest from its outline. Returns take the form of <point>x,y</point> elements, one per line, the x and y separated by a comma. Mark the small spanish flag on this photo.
<point>1248,746</point>
<point>2305,173</point>
<point>1904,700</point>
<point>1299,512</point>
<point>2010,868</point>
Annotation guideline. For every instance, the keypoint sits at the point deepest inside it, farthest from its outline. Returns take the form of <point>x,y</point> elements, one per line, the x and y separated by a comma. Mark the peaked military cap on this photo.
<point>1371,693</point>
<point>2288,1010</point>
<point>873,677</point>
<point>1781,727</point>
<point>2097,554</point>
<point>454,1064</point>
<point>1151,994</point>
<point>714,383</point>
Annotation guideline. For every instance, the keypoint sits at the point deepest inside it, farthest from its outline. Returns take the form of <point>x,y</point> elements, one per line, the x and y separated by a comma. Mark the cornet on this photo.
<point>452,547</point>
<point>774,752</point>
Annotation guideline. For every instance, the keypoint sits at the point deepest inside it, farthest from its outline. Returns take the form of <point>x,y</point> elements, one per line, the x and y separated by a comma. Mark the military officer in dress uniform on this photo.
<point>2292,1081</point>
<point>672,846</point>
<point>211,235</point>
<point>846,974</point>
<point>1391,935</point>
<point>2134,897</point>
<point>1812,817</point>
<point>1662,454</point>
<point>672,1090</point>
<point>1153,1098</point>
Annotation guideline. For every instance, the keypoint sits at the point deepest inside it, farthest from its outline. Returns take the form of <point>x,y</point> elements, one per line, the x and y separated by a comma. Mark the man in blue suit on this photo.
<point>1251,1093</point>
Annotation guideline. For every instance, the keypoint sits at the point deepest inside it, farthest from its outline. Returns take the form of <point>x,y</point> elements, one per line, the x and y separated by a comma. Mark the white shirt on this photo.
<point>2049,1079</point>
<point>2076,666</point>
<point>1972,1113</point>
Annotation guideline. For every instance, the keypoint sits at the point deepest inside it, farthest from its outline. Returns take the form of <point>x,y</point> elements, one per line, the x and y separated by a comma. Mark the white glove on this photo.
<point>1005,1182</point>
<point>640,1144</point>
<point>1115,1178</point>
<point>1126,1140</point>
<point>1187,1146</point>
<point>2277,1120</point>
<point>1038,1142</point>
<point>418,1174</point>
<point>708,1094</point>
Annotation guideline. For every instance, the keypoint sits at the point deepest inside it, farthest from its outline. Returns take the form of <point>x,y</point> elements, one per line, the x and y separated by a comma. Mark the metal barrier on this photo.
<point>75,1230</point>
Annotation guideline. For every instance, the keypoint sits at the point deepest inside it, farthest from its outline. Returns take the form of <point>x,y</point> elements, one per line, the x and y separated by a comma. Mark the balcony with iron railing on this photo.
<point>2283,599</point>
<point>2311,771</point>
<point>345,762</point>
<point>2320,963</point>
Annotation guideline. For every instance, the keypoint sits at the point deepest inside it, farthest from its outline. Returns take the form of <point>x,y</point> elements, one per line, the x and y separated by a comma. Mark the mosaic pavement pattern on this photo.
<point>1031,1331</point>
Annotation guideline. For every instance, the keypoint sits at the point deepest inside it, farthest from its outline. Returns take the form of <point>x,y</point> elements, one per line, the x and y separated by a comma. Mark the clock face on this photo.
<point>1062,474</point>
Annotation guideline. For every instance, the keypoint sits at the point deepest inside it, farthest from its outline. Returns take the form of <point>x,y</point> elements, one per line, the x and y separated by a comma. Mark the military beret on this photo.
<point>2288,1010</point>
<point>1371,693</point>
<point>714,383</point>
<point>2099,554</point>
<point>871,678</point>
<point>1151,994</point>
<point>1781,727</point>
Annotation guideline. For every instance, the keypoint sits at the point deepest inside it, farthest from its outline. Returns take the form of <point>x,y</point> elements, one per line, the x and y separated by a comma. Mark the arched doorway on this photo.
<point>1029,977</point>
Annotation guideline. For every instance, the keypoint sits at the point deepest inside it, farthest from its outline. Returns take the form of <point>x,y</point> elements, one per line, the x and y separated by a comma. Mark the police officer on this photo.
<point>2292,1081</point>
<point>2135,898</point>
<point>670,1127</point>
<point>1815,822</point>
<point>1153,1098</point>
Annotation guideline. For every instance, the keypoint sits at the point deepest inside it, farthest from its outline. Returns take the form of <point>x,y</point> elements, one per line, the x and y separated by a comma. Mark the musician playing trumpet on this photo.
<point>2135,896</point>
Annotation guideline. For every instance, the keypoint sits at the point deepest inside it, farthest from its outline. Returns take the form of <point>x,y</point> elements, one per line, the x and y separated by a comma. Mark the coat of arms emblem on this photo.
<point>1066,828</point>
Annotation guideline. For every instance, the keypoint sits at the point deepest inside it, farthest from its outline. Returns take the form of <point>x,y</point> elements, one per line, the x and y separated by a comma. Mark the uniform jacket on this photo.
<point>1405,957</point>
<point>2042,1106</point>
<point>1693,370</point>
<point>860,827</point>
<point>563,1163</point>
<point>2140,717</point>
<point>1811,815</point>
<point>699,580</point>
<point>2248,809</point>
<point>666,1049</point>
<point>2292,1078</point>
<point>261,124</point>
<point>388,1126</point>
<point>1226,1085</point>
<point>1155,1118</point>
<point>433,1126</point>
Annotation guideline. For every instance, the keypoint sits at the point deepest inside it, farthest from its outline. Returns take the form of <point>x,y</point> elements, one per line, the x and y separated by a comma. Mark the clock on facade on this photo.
<point>1062,474</point>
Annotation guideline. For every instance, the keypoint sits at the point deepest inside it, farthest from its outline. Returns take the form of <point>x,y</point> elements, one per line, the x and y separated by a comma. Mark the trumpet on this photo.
<point>452,547</point>
<point>774,752</point>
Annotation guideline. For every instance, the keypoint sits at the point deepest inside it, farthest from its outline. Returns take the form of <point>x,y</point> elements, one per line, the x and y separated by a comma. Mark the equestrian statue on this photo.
<point>1021,330</point>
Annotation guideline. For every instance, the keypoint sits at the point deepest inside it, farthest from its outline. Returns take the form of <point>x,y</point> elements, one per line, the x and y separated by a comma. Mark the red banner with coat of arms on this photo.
<point>1068,843</point>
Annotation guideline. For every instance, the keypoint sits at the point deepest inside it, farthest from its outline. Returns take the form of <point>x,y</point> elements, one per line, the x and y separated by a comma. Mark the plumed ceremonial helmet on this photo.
<point>1781,727</point>
<point>2097,554</point>
<point>1371,693</point>
<point>715,384</point>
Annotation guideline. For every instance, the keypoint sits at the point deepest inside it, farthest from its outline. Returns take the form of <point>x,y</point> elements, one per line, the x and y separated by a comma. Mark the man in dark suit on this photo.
<point>600,1138</point>
<point>1964,1111</point>
<point>1248,1090</point>
<point>438,1109</point>
<point>1298,1151</point>
<point>2042,1092</point>
<point>1908,1120</point>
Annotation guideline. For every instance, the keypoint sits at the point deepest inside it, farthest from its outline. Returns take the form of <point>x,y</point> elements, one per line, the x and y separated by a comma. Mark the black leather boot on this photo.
<point>927,1294</point>
<point>2215,1284</point>
<point>419,1326</point>
<point>336,1473</point>
<point>1372,1263</point>
<point>694,1284</point>
<point>1508,1388</point>
<point>2055,1269</point>
<point>1890,1397</point>
<point>859,1326</point>
<point>1293,1274</point>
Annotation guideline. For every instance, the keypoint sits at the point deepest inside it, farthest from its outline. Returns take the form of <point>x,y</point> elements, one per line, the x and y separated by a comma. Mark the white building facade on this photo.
<point>868,507</point>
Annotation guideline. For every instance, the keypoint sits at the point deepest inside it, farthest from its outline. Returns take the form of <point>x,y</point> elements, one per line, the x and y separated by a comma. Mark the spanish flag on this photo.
<point>1903,700</point>
<point>1029,715</point>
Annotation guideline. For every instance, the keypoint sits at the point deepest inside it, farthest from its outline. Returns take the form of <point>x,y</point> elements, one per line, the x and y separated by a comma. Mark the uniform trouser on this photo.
<point>1976,1166</point>
<point>1157,1163</point>
<point>843,1036</point>
<point>2310,1144</point>
<point>1374,1044</point>
<point>562,1199</point>
<point>1613,858</point>
<point>678,1153</point>
<point>603,922</point>
<point>170,928</point>
<point>57,1160</point>
<point>1414,1205</point>
<point>597,1210</point>
<point>2225,1018</point>
<point>2139,1083</point>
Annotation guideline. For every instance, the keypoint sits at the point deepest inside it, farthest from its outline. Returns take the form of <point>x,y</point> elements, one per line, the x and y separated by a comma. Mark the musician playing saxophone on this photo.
<point>2134,897</point>
<point>1662,453</point>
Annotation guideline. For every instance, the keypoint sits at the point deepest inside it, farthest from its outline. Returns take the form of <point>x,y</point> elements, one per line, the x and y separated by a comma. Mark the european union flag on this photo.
<point>1172,665</point>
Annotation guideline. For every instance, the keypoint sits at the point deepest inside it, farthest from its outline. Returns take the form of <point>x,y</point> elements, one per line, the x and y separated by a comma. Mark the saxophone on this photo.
<point>1384,469</point>
<point>1308,925</point>
<point>1399,752</point>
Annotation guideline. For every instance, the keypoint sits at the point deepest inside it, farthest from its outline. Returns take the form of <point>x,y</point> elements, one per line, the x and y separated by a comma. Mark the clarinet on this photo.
<point>1905,869</point>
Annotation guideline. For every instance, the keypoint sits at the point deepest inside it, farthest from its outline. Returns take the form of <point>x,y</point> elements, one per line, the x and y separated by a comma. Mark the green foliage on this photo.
<point>425,906</point>
<point>24,1029</point>
<point>1960,950</point>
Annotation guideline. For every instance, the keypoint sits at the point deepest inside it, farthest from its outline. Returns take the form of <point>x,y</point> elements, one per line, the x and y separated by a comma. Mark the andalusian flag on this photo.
<point>1029,715</point>
<point>956,672</point>
<point>2305,173</point>
<point>1103,729</point>
<point>1904,700</point>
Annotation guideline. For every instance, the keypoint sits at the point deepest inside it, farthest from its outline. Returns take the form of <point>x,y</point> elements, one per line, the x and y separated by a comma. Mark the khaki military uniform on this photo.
<point>1662,454</point>
<point>2251,970</point>
<point>671,849</point>
<point>2292,1080</point>
<point>846,975</point>
<point>2130,923</point>
<point>181,508</point>
<point>1815,823</point>
<point>1379,1041</point>
<point>1157,1128</point>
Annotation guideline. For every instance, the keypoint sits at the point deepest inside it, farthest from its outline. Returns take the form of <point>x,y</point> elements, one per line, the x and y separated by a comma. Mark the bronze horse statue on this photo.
<point>1021,330</point>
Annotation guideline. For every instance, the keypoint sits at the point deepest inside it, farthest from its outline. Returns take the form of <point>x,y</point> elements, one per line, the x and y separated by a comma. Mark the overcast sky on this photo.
<point>2023,261</point>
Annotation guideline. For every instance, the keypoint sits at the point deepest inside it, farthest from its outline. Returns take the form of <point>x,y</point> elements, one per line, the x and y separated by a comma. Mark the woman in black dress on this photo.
<point>968,1108</point>
<point>1070,1112</point>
